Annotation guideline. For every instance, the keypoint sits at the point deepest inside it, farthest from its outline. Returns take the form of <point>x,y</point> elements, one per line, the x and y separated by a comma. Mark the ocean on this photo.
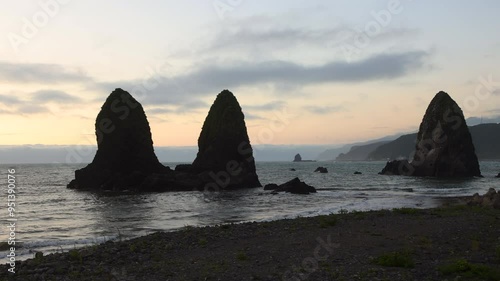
<point>52,218</point>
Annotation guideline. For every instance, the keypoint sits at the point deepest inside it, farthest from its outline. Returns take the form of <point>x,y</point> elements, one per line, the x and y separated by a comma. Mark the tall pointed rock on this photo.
<point>444,144</point>
<point>125,153</point>
<point>225,156</point>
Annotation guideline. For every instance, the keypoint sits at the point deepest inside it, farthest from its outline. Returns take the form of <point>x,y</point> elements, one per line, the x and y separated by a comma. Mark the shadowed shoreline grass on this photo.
<point>399,244</point>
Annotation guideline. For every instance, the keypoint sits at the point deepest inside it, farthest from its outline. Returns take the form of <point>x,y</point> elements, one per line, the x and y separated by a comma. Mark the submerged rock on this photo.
<point>444,144</point>
<point>225,156</point>
<point>271,186</point>
<point>125,154</point>
<point>294,186</point>
<point>322,170</point>
<point>358,173</point>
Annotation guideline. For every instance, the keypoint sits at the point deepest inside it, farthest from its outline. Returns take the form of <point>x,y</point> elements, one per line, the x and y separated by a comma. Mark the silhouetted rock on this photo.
<point>184,168</point>
<point>293,170</point>
<point>444,144</point>
<point>358,173</point>
<point>125,155</point>
<point>397,167</point>
<point>225,156</point>
<point>498,176</point>
<point>173,181</point>
<point>297,158</point>
<point>294,186</point>
<point>271,186</point>
<point>322,170</point>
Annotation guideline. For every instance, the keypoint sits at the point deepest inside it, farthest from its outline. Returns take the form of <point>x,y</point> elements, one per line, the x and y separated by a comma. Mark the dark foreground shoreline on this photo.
<point>402,244</point>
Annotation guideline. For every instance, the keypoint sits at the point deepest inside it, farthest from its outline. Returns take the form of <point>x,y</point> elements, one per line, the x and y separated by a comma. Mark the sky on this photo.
<point>304,72</point>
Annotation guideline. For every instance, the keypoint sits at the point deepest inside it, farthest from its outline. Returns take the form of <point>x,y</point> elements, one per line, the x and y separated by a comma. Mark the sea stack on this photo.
<point>297,158</point>
<point>444,144</point>
<point>125,154</point>
<point>225,155</point>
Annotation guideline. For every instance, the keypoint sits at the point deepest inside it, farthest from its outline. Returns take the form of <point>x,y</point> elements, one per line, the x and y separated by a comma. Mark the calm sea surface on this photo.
<point>52,218</point>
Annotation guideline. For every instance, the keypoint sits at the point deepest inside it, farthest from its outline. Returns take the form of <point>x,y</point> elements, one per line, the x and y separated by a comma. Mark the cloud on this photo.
<point>40,73</point>
<point>321,110</point>
<point>33,102</point>
<point>4,111</point>
<point>183,108</point>
<point>249,116</point>
<point>53,96</point>
<point>210,79</point>
<point>9,100</point>
<point>379,67</point>
<point>31,109</point>
<point>244,37</point>
<point>267,35</point>
<point>274,105</point>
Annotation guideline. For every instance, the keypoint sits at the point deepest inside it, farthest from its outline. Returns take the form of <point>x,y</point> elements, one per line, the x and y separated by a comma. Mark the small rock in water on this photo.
<point>294,186</point>
<point>358,173</point>
<point>322,170</point>
<point>271,186</point>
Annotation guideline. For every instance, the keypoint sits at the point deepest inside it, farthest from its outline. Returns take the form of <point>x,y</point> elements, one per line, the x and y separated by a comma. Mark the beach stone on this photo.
<point>444,144</point>
<point>496,201</point>
<point>124,147</point>
<point>489,199</point>
<point>322,170</point>
<point>225,155</point>
<point>491,193</point>
<point>476,199</point>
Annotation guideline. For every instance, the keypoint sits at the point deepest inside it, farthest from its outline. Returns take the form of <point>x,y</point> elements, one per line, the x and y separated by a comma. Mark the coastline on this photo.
<point>427,243</point>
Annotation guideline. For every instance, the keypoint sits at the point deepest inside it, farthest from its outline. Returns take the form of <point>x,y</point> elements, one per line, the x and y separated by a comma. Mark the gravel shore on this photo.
<point>456,242</point>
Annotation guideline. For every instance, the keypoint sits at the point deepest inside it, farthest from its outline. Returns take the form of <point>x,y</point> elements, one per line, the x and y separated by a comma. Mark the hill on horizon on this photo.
<point>486,138</point>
